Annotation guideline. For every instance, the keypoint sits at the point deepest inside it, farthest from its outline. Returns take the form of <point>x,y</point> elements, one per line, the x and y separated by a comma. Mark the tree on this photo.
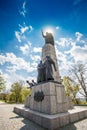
<point>71,88</point>
<point>2,82</point>
<point>79,71</point>
<point>10,97</point>
<point>19,92</point>
<point>25,92</point>
<point>16,91</point>
<point>3,96</point>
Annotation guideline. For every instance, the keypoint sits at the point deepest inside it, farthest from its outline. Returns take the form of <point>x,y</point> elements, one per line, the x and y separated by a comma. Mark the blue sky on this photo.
<point>21,41</point>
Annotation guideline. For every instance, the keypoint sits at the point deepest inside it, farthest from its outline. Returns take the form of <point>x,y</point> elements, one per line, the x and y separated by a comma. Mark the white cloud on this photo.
<point>78,36</point>
<point>22,29</point>
<point>60,55</point>
<point>23,10</point>
<point>64,67</point>
<point>57,27</point>
<point>35,57</point>
<point>24,49</point>
<point>34,64</point>
<point>74,53</point>
<point>24,5</point>
<point>70,42</point>
<point>62,61</point>
<point>17,63</point>
<point>65,42</point>
<point>27,48</point>
<point>37,49</point>
<point>25,28</point>
<point>79,53</point>
<point>2,59</point>
<point>12,77</point>
<point>0,71</point>
<point>69,51</point>
<point>18,36</point>
<point>31,28</point>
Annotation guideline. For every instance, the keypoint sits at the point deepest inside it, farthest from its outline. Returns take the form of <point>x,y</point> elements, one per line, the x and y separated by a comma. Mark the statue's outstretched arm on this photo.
<point>42,33</point>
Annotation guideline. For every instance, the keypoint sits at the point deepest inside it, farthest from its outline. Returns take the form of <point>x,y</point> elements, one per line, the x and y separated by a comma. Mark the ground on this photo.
<point>11,121</point>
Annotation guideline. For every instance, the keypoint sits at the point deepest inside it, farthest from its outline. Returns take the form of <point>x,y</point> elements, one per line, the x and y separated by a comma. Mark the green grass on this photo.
<point>2,100</point>
<point>83,103</point>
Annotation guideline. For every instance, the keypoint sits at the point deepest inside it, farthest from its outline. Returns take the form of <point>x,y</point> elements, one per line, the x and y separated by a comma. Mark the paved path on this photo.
<point>11,121</point>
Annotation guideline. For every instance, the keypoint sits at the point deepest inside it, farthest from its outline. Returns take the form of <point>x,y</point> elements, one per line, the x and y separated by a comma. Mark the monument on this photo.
<point>48,105</point>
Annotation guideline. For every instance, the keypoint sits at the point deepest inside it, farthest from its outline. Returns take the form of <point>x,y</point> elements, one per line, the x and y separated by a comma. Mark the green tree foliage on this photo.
<point>10,97</point>
<point>16,91</point>
<point>2,83</point>
<point>3,96</point>
<point>24,93</point>
<point>71,88</point>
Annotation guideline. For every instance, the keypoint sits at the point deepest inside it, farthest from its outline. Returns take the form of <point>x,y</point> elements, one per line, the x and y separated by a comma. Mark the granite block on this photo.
<point>48,89</point>
<point>59,107</point>
<point>31,103</point>
<point>74,117</point>
<point>46,122</point>
<point>45,105</point>
<point>53,105</point>
<point>81,115</point>
<point>59,94</point>
<point>55,123</point>
<point>37,106</point>
<point>64,120</point>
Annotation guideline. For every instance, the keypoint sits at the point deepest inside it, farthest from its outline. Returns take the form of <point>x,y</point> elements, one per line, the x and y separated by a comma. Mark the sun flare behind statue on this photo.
<point>49,30</point>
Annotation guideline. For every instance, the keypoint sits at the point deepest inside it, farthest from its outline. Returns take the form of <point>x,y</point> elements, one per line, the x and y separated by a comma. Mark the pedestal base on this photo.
<point>51,111</point>
<point>54,98</point>
<point>55,121</point>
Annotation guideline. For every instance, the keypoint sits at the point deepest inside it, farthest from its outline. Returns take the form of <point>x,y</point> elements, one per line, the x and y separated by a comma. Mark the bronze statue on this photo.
<point>31,84</point>
<point>48,68</point>
<point>41,72</point>
<point>48,38</point>
<point>45,70</point>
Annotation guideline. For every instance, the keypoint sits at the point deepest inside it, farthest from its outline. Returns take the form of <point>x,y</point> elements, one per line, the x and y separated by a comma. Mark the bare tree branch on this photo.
<point>79,71</point>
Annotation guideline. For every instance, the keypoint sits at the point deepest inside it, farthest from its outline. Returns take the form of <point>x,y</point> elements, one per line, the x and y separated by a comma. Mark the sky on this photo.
<point>21,41</point>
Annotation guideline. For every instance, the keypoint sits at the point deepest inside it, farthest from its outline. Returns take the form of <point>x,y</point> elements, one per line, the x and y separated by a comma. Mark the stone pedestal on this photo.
<point>54,101</point>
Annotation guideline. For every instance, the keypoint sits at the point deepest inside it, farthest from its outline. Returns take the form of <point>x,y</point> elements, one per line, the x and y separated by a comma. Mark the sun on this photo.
<point>49,30</point>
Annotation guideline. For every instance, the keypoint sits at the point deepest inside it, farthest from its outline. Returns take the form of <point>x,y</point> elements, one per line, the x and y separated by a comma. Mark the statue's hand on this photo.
<point>42,33</point>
